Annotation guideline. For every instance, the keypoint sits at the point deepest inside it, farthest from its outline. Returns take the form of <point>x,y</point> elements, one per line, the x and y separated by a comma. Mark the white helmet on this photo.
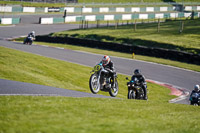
<point>105,60</point>
<point>196,88</point>
<point>33,32</point>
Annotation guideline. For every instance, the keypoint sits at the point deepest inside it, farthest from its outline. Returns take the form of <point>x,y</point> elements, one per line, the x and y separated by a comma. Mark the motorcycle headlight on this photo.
<point>128,85</point>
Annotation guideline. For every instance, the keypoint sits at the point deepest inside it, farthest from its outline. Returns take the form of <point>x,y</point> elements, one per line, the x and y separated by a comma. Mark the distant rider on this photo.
<point>109,66</point>
<point>32,34</point>
<point>142,82</point>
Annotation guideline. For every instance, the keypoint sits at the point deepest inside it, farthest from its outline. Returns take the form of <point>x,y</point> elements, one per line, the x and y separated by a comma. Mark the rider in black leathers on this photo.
<point>109,66</point>
<point>142,81</point>
<point>30,35</point>
<point>196,90</point>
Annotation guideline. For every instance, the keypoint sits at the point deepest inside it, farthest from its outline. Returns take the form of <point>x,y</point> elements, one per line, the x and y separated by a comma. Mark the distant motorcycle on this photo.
<point>28,40</point>
<point>135,90</point>
<point>195,99</point>
<point>100,80</point>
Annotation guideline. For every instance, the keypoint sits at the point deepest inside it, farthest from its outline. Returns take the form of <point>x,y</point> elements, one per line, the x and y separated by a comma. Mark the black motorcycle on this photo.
<point>135,90</point>
<point>28,40</point>
<point>100,80</point>
<point>195,99</point>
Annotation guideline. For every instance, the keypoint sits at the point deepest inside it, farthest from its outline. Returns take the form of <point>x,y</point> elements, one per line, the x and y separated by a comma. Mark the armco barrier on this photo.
<point>119,17</point>
<point>127,48</point>
<point>10,20</point>
<point>99,9</point>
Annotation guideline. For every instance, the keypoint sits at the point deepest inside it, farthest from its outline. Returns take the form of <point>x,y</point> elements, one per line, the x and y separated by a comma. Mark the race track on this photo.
<point>8,87</point>
<point>166,74</point>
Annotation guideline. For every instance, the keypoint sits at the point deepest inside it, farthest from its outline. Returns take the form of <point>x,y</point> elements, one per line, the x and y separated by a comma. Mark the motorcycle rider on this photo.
<point>109,66</point>
<point>141,78</point>
<point>30,35</point>
<point>196,89</point>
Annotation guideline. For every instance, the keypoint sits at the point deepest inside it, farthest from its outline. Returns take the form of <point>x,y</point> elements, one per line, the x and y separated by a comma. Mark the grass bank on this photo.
<point>62,114</point>
<point>168,36</point>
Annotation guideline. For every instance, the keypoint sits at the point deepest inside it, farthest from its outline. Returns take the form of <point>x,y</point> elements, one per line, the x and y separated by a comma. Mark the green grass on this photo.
<point>89,115</point>
<point>4,24</point>
<point>169,35</point>
<point>62,114</point>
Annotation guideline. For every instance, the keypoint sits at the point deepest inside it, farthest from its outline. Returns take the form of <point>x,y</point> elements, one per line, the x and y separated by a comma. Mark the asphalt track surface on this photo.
<point>8,87</point>
<point>175,76</point>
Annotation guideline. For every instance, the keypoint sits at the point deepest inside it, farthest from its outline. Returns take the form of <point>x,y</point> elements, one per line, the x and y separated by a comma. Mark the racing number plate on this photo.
<point>97,68</point>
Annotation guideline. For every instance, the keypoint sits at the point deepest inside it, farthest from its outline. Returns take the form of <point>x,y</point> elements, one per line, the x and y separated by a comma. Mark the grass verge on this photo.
<point>4,24</point>
<point>62,114</point>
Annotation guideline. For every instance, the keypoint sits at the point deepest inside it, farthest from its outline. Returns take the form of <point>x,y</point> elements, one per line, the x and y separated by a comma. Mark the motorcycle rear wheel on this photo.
<point>94,87</point>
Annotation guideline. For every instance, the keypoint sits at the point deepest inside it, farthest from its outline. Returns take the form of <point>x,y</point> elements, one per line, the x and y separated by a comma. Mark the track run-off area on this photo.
<point>171,77</point>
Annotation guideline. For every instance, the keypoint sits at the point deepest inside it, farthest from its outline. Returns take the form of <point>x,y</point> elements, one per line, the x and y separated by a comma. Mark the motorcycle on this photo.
<point>28,40</point>
<point>135,90</point>
<point>100,80</point>
<point>195,99</point>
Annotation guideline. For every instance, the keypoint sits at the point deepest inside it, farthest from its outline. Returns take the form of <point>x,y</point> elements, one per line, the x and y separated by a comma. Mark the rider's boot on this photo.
<point>145,97</point>
<point>145,92</point>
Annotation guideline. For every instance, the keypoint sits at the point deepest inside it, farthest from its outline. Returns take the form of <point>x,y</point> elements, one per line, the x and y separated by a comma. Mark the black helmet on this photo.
<point>137,72</point>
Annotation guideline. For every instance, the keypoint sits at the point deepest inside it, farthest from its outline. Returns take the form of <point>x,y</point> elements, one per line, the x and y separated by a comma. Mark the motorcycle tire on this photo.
<point>131,94</point>
<point>194,104</point>
<point>94,88</point>
<point>114,90</point>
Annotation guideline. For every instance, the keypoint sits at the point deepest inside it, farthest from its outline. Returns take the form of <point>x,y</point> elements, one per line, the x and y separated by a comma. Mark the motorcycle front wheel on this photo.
<point>94,87</point>
<point>114,90</point>
<point>131,94</point>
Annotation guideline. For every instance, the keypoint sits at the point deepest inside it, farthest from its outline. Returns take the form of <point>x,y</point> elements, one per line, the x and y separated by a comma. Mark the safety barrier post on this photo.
<point>107,23</point>
<point>82,22</point>
<point>158,29</point>
<point>181,26</point>
<point>116,24</point>
<point>135,25</point>
<point>98,23</point>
